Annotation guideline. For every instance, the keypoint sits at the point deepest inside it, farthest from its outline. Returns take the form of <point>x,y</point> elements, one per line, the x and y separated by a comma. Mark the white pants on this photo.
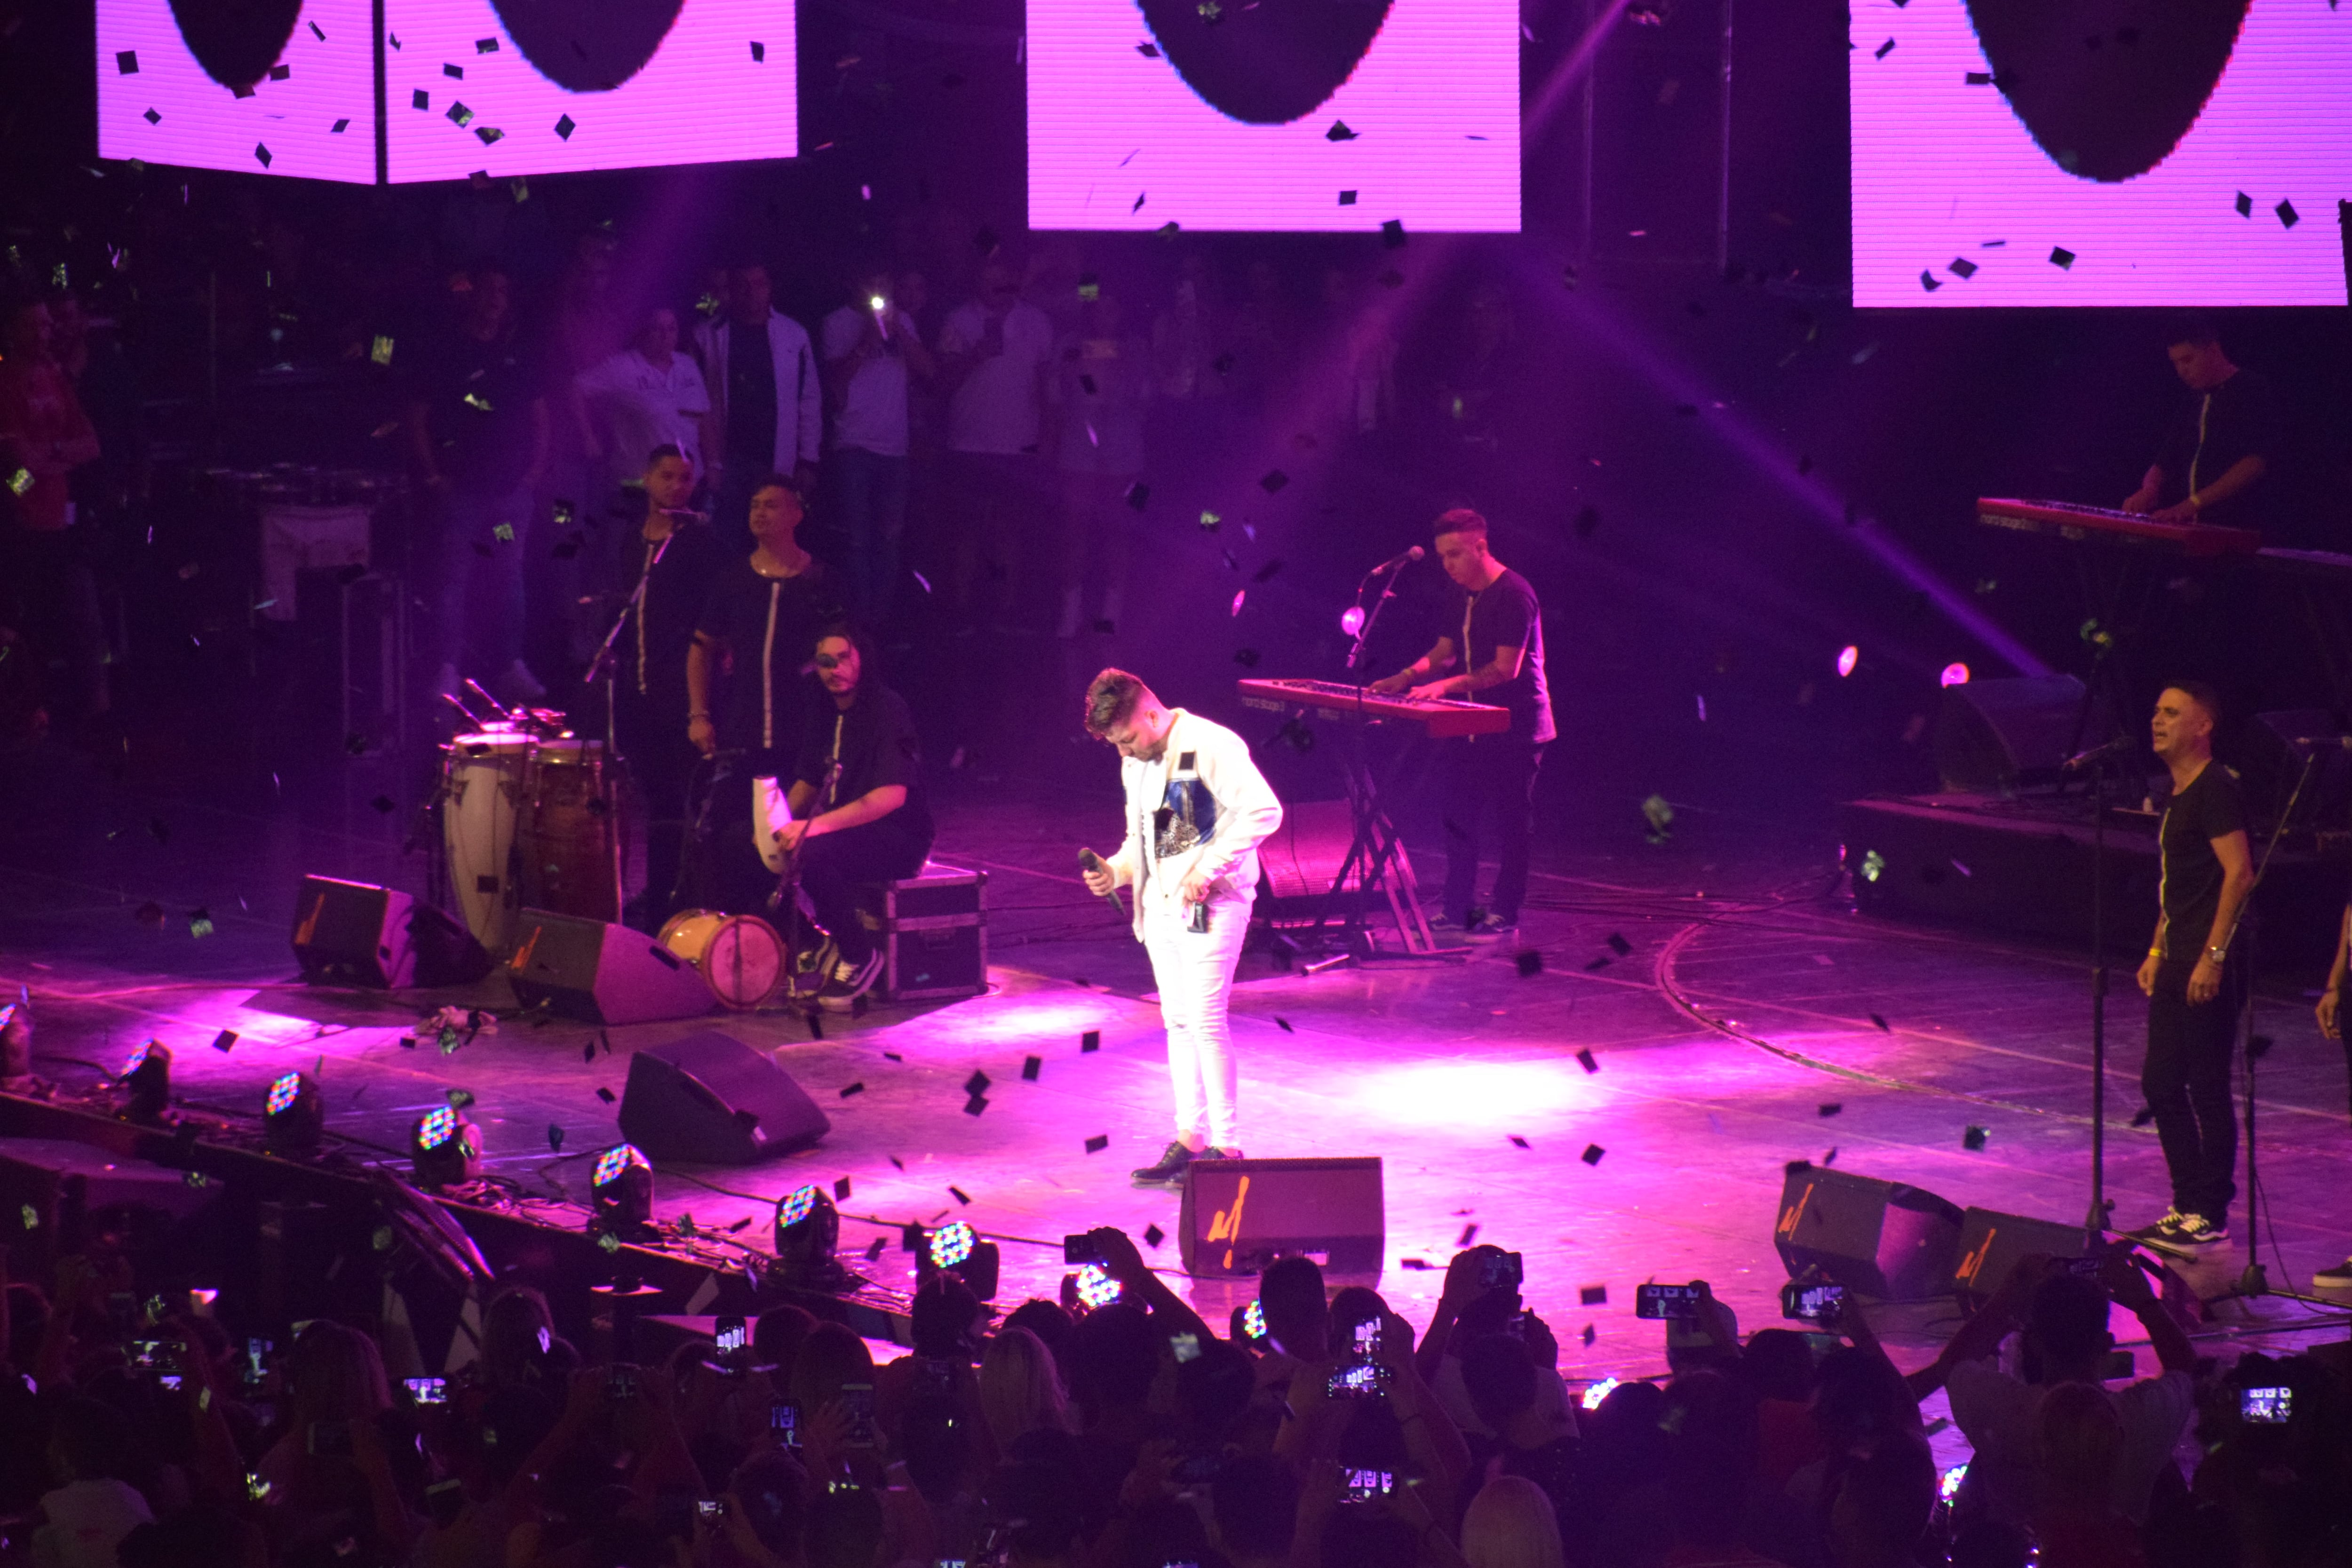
<point>1194,971</point>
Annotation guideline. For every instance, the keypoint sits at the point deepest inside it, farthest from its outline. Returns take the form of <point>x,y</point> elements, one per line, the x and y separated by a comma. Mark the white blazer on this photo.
<point>800,401</point>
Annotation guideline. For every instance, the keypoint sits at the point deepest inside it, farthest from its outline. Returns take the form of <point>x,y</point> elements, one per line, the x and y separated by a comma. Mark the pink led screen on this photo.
<point>1333,115</point>
<point>2100,152</point>
<point>529,87</point>
<point>284,89</point>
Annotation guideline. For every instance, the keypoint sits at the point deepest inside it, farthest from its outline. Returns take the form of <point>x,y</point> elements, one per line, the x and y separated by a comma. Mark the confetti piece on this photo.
<point>1883,50</point>
<point>151,118</point>
<point>1153,1235</point>
<point>200,923</point>
<point>1346,198</point>
<point>1963,268</point>
<point>126,62</point>
<point>1593,1296</point>
<point>1978,78</point>
<point>2142,1117</point>
<point>874,1249</point>
<point>2288,217</point>
<point>564,126</point>
<point>1585,1060</point>
<point>1529,963</point>
<point>605,1094</point>
<point>1238,598</point>
<point>959,1197</point>
<point>977,1084</point>
<point>1591,1333</point>
<point>1149,51</point>
<point>858,1088</point>
<point>1831,1158</point>
<point>1660,815</point>
<point>1098,1142</point>
<point>1593,1152</point>
<point>759,52</point>
<point>1339,132</point>
<point>1831,1108</point>
<point>817,1029</point>
<point>1393,233</point>
<point>1974,1138</point>
<point>1884,1027</point>
<point>224,1040</point>
<point>975,1105</point>
<point>262,152</point>
<point>420,99</point>
<point>1469,1234</point>
<point>1138,495</point>
<point>841,1188</point>
<point>897,1162</point>
<point>1848,657</point>
<point>2245,205</point>
<point>1090,1041</point>
<point>380,351</point>
<point>280,72</point>
<point>2061,258</point>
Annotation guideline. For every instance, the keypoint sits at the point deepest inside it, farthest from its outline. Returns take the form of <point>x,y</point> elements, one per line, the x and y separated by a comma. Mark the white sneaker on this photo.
<point>2334,1279</point>
<point>518,688</point>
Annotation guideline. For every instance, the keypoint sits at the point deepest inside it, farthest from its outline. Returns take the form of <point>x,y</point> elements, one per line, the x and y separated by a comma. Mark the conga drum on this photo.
<point>739,957</point>
<point>482,781</point>
<point>571,841</point>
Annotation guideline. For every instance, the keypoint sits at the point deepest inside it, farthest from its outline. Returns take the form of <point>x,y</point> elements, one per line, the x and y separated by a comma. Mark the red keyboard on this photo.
<point>1442,717</point>
<point>2079,523</point>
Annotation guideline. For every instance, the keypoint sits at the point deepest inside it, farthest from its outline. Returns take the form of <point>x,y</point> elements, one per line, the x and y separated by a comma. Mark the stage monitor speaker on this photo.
<point>1994,735</point>
<point>712,1099</point>
<point>356,934</point>
<point>1991,1242</point>
<point>1885,1239</point>
<point>600,974</point>
<point>1240,1215</point>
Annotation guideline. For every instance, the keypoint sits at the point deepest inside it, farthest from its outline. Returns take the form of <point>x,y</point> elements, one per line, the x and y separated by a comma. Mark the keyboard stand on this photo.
<point>1377,859</point>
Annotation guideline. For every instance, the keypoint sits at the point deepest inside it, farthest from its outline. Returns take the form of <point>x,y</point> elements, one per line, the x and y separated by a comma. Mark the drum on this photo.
<point>739,957</point>
<point>483,777</point>
<point>571,841</point>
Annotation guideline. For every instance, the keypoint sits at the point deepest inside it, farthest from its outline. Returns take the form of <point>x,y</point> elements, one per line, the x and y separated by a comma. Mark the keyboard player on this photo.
<point>2221,446</point>
<point>1492,652</point>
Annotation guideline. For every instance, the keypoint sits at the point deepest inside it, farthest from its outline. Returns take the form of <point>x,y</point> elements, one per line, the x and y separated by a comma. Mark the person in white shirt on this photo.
<point>993,353</point>
<point>767,400</point>
<point>871,348</point>
<point>644,396</point>
<point>1197,809</point>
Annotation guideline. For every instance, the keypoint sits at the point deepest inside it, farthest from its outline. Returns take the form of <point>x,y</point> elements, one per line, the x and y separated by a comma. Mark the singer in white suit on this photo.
<point>1197,809</point>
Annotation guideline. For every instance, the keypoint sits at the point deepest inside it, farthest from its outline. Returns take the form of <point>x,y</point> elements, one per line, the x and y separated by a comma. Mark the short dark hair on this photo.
<point>2191,329</point>
<point>2069,1316</point>
<point>666,449</point>
<point>1499,1377</point>
<point>780,483</point>
<point>2203,694</point>
<point>1459,519</point>
<point>1111,699</point>
<point>1113,1357</point>
<point>944,1307</point>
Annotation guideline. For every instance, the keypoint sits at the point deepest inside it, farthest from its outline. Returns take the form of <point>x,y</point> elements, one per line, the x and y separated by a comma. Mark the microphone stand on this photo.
<point>2094,1224</point>
<point>1364,632</point>
<point>606,665</point>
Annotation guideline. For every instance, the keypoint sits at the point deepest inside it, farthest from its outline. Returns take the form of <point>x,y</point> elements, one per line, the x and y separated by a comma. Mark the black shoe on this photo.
<point>1491,928</point>
<point>848,982</point>
<point>2190,1235</point>
<point>1171,1167</point>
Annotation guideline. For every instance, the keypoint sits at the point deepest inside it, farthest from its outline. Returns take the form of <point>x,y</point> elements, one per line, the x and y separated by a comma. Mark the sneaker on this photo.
<point>2334,1279</point>
<point>1171,1167</point>
<point>1446,929</point>
<point>848,982</point>
<point>2168,1226</point>
<point>2192,1235</point>
<point>1491,928</point>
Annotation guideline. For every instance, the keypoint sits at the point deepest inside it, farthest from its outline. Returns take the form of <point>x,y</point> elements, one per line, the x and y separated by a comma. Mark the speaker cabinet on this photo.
<point>1991,1242</point>
<point>712,1099</point>
<point>356,934</point>
<point>600,974</point>
<point>1885,1239</point>
<point>1240,1215</point>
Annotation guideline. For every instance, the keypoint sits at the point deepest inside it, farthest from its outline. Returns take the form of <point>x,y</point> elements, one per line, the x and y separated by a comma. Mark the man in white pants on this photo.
<point>1197,809</point>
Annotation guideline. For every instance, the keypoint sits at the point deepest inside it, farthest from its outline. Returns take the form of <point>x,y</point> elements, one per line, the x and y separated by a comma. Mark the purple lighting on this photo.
<point>1848,657</point>
<point>1955,674</point>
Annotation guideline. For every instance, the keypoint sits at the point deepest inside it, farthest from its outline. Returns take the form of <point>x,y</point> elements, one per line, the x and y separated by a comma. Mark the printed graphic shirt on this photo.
<point>1201,805</point>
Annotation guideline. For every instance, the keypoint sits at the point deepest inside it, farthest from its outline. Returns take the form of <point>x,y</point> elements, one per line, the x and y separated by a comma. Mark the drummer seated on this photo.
<point>859,818</point>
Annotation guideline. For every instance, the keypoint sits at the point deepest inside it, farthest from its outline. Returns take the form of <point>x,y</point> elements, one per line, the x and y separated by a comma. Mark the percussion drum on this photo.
<point>739,957</point>
<point>483,779</point>
<point>571,831</point>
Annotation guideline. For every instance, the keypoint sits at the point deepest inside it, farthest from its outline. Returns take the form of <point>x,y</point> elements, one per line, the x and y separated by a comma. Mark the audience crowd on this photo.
<point>1320,1432</point>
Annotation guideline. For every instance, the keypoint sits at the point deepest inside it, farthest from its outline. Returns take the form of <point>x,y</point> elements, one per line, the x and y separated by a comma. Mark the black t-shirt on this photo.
<point>481,396</point>
<point>873,741</point>
<point>674,601</point>
<point>1505,615</point>
<point>2191,875</point>
<point>2213,433</point>
<point>750,399</point>
<point>767,717</point>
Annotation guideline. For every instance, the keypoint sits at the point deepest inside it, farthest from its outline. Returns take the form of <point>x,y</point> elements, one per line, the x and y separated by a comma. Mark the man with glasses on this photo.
<point>858,817</point>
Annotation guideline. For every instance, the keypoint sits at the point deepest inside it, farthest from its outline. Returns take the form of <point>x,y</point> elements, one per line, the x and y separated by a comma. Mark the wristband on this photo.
<point>2156,952</point>
<point>2217,956</point>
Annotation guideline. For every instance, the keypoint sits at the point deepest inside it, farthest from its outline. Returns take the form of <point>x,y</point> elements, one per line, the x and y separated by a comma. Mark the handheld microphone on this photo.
<point>1089,860</point>
<point>1394,562</point>
<point>2080,760</point>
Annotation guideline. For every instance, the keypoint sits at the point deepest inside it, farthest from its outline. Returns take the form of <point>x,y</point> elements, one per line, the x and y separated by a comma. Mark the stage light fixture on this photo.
<point>620,1192</point>
<point>808,1228</point>
<point>147,1074</point>
<point>445,1149</point>
<point>956,1249</point>
<point>294,1117</point>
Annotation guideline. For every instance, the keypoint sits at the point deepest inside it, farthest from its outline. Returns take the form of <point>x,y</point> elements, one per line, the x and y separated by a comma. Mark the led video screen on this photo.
<point>2186,153</point>
<point>282,89</point>
<point>532,87</point>
<point>1224,114</point>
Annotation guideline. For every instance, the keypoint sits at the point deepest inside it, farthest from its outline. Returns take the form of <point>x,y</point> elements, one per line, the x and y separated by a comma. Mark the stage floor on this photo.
<point>1740,1029</point>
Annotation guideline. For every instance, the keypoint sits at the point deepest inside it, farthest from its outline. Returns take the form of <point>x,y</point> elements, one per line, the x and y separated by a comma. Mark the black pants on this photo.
<point>2187,1082</point>
<point>1490,775</point>
<point>652,734</point>
<point>838,872</point>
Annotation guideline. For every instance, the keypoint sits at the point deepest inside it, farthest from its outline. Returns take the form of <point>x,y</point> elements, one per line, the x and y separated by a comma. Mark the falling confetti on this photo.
<point>1593,1153</point>
<point>1098,1142</point>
